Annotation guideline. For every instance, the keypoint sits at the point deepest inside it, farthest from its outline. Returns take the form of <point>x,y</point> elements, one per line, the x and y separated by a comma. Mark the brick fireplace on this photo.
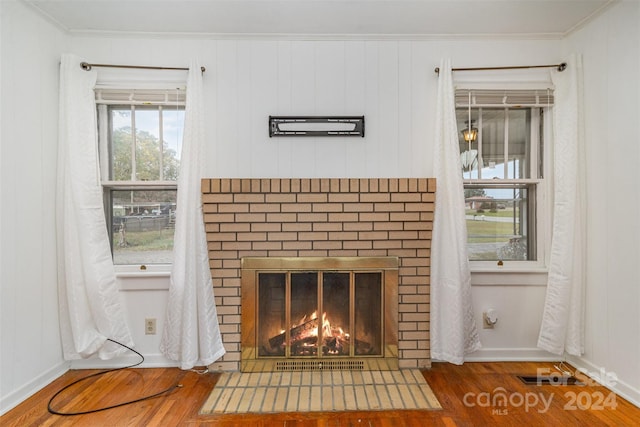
<point>321,218</point>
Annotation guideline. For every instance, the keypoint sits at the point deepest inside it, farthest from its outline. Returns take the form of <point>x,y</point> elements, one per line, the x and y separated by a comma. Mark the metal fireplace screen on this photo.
<point>319,317</point>
<point>324,312</point>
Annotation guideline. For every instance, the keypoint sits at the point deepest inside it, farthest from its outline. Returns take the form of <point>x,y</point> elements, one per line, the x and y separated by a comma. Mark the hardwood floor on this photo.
<point>470,396</point>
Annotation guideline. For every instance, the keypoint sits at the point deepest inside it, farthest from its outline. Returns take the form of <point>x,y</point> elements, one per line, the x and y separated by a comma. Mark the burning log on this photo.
<point>303,340</point>
<point>332,345</point>
<point>305,346</point>
<point>296,333</point>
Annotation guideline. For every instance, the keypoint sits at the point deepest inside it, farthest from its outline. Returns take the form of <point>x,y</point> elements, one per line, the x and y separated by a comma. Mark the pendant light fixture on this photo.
<point>470,133</point>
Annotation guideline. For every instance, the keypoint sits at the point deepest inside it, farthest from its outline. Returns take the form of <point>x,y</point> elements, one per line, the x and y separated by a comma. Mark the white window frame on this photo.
<point>535,268</point>
<point>164,99</point>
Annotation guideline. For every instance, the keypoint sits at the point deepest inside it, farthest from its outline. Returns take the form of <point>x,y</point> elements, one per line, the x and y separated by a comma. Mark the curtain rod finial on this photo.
<point>85,66</point>
<point>562,66</point>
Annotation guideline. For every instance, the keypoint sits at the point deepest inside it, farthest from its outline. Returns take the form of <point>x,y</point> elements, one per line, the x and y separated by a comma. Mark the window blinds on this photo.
<point>504,98</point>
<point>141,96</point>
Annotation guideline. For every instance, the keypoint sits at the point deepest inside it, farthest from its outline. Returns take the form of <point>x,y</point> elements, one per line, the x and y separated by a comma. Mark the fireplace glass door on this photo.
<point>319,314</point>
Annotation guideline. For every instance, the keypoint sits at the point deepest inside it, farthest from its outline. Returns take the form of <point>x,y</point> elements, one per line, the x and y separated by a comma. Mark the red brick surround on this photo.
<point>334,217</point>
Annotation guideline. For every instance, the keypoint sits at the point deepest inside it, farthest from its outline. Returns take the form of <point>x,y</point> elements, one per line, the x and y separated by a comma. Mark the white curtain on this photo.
<point>191,332</point>
<point>562,326</point>
<point>89,304</point>
<point>453,328</point>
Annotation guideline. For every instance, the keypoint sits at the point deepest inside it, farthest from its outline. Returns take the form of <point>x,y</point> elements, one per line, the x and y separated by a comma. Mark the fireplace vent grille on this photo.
<point>314,365</point>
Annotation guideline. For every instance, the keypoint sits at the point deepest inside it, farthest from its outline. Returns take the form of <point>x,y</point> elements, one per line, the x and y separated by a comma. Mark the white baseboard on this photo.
<point>511,355</point>
<point>150,361</point>
<point>19,395</point>
<point>599,374</point>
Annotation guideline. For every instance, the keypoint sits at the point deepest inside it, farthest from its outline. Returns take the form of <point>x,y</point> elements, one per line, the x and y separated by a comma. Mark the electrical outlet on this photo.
<point>486,323</point>
<point>150,326</point>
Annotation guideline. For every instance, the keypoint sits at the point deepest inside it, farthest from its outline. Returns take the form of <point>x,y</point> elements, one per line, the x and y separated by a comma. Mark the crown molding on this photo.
<point>591,17</point>
<point>47,17</point>
<point>314,37</point>
<point>317,37</point>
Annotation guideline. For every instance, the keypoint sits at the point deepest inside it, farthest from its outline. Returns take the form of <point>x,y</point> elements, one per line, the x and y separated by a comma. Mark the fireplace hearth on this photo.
<point>315,313</point>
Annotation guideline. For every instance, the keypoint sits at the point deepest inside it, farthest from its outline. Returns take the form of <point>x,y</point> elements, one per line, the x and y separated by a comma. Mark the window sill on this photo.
<point>146,274</point>
<point>509,276</point>
<point>132,278</point>
<point>146,269</point>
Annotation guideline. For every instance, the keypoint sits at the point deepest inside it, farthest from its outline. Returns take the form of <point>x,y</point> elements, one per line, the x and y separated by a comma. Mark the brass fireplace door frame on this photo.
<point>251,266</point>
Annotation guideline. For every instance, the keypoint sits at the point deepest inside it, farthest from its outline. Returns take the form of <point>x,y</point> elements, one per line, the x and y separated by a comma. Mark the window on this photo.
<point>140,143</point>
<point>501,151</point>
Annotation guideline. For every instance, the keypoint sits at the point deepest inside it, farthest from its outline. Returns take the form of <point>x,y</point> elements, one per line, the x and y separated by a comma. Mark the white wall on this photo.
<point>391,82</point>
<point>30,353</point>
<point>611,53</point>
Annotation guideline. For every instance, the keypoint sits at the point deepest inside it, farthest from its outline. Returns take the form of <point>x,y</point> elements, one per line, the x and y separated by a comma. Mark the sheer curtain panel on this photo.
<point>563,317</point>
<point>191,334</point>
<point>453,328</point>
<point>89,304</point>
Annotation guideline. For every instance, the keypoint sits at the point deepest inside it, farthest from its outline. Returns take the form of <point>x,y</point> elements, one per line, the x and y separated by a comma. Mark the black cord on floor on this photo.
<point>53,411</point>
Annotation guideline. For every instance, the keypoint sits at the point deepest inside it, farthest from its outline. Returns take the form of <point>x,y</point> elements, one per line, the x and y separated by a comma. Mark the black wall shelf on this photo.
<point>316,126</point>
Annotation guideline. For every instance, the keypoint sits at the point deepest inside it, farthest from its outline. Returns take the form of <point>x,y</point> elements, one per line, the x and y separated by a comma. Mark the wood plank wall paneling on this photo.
<point>256,79</point>
<point>310,217</point>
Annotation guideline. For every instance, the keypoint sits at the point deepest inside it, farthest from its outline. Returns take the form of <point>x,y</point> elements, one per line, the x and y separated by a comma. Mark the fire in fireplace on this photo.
<point>304,338</point>
<point>329,293</point>
<point>319,313</point>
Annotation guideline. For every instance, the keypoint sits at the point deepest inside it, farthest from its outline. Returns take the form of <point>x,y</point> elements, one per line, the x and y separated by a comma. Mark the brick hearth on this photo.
<point>322,218</point>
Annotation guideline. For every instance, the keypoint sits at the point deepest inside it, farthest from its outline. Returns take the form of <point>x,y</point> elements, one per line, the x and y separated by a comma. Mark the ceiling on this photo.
<point>427,18</point>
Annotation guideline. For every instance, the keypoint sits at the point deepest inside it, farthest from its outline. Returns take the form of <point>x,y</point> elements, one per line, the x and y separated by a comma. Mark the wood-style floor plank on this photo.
<point>465,393</point>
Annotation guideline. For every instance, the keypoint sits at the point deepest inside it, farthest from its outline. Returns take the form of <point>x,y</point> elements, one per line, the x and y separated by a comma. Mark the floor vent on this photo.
<point>314,365</point>
<point>549,380</point>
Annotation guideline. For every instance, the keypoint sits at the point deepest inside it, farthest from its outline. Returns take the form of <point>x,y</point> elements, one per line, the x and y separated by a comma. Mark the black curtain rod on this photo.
<point>87,67</point>
<point>560,67</point>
